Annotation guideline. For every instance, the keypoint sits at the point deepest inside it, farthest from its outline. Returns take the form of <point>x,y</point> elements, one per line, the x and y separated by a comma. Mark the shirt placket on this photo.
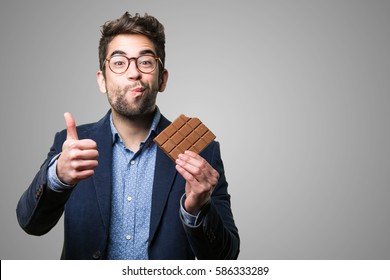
<point>129,204</point>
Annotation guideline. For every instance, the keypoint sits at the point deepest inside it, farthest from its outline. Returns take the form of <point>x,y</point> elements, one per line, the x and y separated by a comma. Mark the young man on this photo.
<point>122,197</point>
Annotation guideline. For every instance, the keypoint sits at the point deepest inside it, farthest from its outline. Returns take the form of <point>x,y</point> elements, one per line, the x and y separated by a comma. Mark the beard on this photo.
<point>140,105</point>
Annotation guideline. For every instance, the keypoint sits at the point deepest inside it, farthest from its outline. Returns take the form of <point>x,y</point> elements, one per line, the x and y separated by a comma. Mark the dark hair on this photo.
<point>128,24</point>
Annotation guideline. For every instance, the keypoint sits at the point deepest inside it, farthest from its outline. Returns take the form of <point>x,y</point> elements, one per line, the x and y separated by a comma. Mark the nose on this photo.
<point>132,72</point>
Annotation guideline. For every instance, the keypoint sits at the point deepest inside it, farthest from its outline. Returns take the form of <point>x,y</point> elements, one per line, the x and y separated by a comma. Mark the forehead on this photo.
<point>130,44</point>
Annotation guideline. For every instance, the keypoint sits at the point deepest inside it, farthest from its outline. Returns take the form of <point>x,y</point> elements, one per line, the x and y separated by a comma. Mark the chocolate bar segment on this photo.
<point>183,134</point>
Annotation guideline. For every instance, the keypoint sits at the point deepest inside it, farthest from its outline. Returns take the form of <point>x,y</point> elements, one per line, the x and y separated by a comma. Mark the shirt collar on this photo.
<point>153,128</point>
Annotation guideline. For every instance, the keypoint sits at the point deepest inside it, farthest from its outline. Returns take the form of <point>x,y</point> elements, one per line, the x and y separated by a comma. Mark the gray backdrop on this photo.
<point>297,93</point>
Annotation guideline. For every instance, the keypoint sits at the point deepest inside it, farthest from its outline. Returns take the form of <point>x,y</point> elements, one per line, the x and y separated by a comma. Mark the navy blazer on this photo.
<point>87,207</point>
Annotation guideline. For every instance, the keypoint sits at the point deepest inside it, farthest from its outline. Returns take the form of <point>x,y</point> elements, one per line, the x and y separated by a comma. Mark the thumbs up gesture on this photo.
<point>78,158</point>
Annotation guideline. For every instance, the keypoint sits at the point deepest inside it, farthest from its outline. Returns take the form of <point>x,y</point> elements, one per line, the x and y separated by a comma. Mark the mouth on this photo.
<point>137,91</point>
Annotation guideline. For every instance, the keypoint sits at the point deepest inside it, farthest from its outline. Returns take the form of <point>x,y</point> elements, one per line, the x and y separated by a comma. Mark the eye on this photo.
<point>146,61</point>
<point>118,62</point>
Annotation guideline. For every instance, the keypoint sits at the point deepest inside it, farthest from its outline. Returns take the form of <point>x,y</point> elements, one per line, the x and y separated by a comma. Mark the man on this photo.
<point>122,197</point>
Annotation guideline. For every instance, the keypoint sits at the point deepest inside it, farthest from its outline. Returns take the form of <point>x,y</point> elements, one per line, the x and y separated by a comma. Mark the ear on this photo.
<point>163,80</point>
<point>101,80</point>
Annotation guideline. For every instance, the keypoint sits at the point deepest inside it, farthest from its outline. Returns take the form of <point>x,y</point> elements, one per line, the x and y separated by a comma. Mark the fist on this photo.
<point>78,158</point>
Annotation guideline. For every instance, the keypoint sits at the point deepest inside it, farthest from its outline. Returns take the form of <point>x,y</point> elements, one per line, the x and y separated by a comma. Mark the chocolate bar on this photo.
<point>183,134</point>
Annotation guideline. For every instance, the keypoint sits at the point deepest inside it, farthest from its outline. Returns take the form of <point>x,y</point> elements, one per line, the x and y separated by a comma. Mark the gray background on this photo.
<point>297,93</point>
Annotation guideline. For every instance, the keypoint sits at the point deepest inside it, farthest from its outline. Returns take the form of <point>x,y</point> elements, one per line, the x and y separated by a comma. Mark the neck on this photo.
<point>133,130</point>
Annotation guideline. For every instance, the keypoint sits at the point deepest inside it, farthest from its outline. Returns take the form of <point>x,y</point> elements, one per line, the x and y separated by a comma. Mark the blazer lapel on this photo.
<point>102,177</point>
<point>164,176</point>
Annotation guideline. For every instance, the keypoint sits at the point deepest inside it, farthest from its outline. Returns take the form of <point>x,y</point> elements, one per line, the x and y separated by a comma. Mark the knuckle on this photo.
<point>72,144</point>
<point>190,178</point>
<point>73,175</point>
<point>203,164</point>
<point>72,154</point>
<point>75,165</point>
<point>197,171</point>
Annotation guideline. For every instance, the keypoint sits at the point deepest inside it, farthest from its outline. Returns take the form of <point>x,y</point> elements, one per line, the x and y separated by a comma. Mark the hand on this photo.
<point>78,158</point>
<point>201,178</point>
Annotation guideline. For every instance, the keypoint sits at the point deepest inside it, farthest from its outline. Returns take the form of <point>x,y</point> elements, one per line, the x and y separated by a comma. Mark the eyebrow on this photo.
<point>119,52</point>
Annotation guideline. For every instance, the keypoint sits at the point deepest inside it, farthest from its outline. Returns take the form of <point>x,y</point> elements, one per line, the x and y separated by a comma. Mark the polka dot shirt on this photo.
<point>132,183</point>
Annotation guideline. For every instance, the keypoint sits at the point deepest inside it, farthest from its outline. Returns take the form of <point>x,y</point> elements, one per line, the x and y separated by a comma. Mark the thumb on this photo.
<point>71,127</point>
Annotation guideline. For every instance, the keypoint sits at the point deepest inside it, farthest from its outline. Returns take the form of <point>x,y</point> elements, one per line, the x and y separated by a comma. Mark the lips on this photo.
<point>137,91</point>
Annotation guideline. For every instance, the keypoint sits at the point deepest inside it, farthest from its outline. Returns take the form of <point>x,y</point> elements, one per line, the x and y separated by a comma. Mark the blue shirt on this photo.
<point>132,184</point>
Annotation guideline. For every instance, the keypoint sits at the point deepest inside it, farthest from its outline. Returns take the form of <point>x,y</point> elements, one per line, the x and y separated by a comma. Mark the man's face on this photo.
<point>132,93</point>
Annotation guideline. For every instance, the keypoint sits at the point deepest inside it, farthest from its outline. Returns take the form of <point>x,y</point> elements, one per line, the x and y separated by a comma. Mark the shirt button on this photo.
<point>128,237</point>
<point>97,255</point>
<point>129,198</point>
<point>132,162</point>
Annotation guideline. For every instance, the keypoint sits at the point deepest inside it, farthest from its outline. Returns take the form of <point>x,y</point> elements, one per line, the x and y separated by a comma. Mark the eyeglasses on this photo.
<point>144,63</point>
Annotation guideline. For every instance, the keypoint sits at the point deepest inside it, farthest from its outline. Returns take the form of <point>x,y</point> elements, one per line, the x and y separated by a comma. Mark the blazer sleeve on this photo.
<point>39,208</point>
<point>216,237</point>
